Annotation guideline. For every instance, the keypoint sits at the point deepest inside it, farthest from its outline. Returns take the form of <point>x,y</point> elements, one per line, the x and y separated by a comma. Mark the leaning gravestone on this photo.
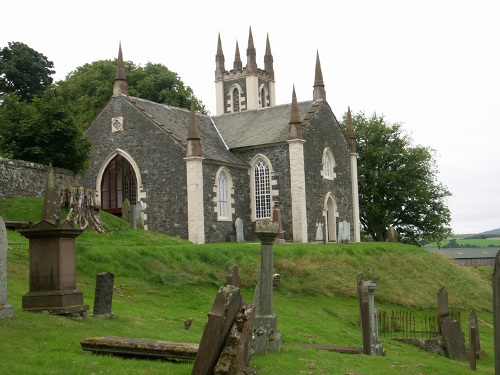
<point>6,310</point>
<point>103,295</point>
<point>238,224</point>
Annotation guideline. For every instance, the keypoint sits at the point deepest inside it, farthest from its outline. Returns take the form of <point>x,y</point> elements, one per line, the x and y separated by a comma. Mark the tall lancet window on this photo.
<point>236,100</point>
<point>222,195</point>
<point>262,190</point>
<point>328,165</point>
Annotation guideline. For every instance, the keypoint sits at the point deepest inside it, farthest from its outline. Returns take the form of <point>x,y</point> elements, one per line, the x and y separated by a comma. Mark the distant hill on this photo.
<point>493,231</point>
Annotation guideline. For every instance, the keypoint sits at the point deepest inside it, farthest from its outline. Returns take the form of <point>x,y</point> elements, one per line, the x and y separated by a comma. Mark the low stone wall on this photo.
<point>25,179</point>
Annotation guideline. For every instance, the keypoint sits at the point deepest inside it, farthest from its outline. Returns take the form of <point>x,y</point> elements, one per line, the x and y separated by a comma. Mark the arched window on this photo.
<point>222,195</point>
<point>262,189</point>
<point>328,165</point>
<point>118,182</point>
<point>264,97</point>
<point>236,100</point>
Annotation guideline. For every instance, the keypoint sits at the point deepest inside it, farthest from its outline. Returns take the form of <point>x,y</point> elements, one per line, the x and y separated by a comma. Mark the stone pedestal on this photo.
<point>52,277</point>
<point>265,324</point>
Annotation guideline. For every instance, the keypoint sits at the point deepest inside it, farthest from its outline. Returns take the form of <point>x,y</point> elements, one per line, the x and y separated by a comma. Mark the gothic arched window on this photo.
<point>262,189</point>
<point>236,100</point>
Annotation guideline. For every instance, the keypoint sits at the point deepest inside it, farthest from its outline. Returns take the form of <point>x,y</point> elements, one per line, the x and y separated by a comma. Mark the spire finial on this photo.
<point>251,54</point>
<point>237,65</point>
<point>193,139</point>
<point>319,92</point>
<point>219,61</point>
<point>120,85</point>
<point>295,121</point>
<point>268,59</point>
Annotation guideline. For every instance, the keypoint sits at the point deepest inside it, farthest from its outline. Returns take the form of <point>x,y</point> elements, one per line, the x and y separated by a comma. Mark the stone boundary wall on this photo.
<point>25,179</point>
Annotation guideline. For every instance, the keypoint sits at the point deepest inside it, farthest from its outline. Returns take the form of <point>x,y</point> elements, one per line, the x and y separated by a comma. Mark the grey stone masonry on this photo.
<point>103,295</point>
<point>6,310</point>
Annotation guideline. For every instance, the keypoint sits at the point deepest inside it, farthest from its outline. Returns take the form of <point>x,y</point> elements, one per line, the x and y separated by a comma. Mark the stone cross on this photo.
<point>266,336</point>
<point>104,284</point>
<point>496,313</point>
<point>51,210</point>
<point>6,310</point>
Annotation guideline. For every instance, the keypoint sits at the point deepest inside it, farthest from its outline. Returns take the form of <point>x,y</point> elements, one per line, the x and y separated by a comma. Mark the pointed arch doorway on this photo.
<point>118,182</point>
<point>330,213</point>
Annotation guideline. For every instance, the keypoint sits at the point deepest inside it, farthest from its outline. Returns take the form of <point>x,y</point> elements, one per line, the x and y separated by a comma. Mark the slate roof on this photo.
<point>221,133</point>
<point>175,123</point>
<point>260,126</point>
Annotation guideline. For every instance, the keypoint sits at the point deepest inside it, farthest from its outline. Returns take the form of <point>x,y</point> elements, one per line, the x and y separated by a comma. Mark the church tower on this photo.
<point>244,88</point>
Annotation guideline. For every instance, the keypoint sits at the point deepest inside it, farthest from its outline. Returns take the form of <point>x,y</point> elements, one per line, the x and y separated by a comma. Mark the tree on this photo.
<point>398,183</point>
<point>42,132</point>
<point>24,71</point>
<point>87,89</point>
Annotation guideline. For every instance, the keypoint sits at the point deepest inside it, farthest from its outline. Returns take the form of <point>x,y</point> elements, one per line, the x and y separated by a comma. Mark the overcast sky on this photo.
<point>432,65</point>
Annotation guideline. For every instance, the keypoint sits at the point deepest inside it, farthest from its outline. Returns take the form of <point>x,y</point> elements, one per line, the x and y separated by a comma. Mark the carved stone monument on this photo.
<point>319,233</point>
<point>6,310</point>
<point>52,261</point>
<point>103,295</point>
<point>280,239</point>
<point>265,326</point>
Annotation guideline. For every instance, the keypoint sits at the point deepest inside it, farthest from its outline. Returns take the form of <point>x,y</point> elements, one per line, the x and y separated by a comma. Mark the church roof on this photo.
<point>175,123</point>
<point>260,126</point>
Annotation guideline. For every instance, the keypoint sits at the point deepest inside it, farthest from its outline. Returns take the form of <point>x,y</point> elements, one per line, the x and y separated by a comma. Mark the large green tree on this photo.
<point>88,88</point>
<point>398,183</point>
<point>42,132</point>
<point>24,71</point>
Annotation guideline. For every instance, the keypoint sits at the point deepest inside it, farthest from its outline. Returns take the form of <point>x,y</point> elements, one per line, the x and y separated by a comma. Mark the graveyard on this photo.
<point>161,281</point>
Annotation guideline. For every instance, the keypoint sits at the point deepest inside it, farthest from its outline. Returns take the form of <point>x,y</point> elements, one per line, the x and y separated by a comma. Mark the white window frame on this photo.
<point>224,200</point>
<point>328,165</point>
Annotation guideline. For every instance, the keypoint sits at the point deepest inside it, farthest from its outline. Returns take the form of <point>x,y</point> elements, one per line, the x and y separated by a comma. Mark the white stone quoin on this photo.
<point>196,222</point>
<point>297,189</point>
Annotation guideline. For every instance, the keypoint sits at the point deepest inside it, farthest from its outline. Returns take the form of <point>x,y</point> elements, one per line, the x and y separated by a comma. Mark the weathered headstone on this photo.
<point>126,210</point>
<point>235,357</point>
<point>238,224</point>
<point>280,239</point>
<point>442,303</point>
<point>376,346</point>
<point>139,212</point>
<point>392,235</point>
<point>103,295</point>
<point>365,321</point>
<point>344,231</point>
<point>265,327</point>
<point>496,313</point>
<point>473,338</point>
<point>454,339</point>
<point>233,276</point>
<point>52,249</point>
<point>6,310</point>
<point>477,343</point>
<point>319,233</point>
<point>220,320</point>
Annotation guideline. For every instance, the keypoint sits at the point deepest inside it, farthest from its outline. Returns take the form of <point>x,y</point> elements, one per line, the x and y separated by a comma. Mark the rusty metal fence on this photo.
<point>405,323</point>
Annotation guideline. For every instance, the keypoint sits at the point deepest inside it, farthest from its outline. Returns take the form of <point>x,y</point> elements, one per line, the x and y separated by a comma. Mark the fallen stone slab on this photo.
<point>145,348</point>
<point>334,348</point>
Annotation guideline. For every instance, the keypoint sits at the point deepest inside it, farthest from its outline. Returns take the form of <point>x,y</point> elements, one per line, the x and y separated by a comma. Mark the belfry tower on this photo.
<point>244,88</point>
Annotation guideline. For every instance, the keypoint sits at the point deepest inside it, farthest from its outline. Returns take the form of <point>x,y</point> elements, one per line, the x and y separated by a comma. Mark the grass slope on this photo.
<point>161,281</point>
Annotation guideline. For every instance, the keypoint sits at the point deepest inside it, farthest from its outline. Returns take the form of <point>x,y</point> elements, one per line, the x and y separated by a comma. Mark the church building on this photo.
<point>192,175</point>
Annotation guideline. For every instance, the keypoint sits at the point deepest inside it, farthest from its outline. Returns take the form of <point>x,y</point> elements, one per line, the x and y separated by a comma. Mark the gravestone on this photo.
<point>6,310</point>
<point>220,320</point>
<point>103,300</point>
<point>233,276</point>
<point>442,303</point>
<point>126,210</point>
<point>319,233</point>
<point>376,346</point>
<point>477,343</point>
<point>392,235</point>
<point>365,321</point>
<point>496,312</point>
<point>265,327</point>
<point>52,261</point>
<point>280,239</point>
<point>235,356</point>
<point>238,225</point>
<point>473,338</point>
<point>139,212</point>
<point>344,231</point>
<point>454,339</point>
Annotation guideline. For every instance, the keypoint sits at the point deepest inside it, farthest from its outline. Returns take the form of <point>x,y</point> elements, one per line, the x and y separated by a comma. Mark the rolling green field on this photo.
<point>160,281</point>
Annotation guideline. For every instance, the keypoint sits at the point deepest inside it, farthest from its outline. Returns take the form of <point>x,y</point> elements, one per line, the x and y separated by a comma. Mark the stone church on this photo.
<point>192,175</point>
